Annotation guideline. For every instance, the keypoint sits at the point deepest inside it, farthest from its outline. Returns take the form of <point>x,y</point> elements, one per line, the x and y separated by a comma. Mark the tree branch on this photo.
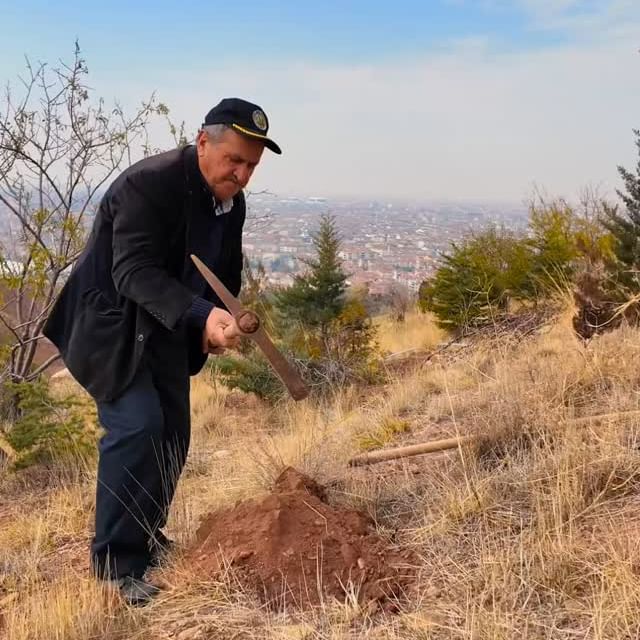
<point>45,365</point>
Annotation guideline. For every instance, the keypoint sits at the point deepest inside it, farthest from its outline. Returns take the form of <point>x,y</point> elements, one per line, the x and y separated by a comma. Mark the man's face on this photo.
<point>227,164</point>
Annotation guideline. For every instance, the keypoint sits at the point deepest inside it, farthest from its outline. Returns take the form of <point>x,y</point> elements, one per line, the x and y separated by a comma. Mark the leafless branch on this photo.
<point>43,367</point>
<point>58,148</point>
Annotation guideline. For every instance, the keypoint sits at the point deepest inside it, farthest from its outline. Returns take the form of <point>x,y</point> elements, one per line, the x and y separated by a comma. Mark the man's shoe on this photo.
<point>136,592</point>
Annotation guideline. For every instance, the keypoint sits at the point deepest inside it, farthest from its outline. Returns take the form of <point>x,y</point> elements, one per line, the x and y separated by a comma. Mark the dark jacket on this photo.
<point>128,283</point>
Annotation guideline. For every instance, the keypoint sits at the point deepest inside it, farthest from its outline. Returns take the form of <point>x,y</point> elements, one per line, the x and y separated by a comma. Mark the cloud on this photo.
<point>470,122</point>
<point>580,19</point>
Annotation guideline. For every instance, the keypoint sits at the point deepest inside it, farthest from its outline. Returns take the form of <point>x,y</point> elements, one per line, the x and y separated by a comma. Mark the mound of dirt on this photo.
<point>294,549</point>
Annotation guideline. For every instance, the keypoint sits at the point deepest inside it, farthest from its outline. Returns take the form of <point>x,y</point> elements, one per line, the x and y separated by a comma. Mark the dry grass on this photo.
<point>71,607</point>
<point>418,331</point>
<point>530,532</point>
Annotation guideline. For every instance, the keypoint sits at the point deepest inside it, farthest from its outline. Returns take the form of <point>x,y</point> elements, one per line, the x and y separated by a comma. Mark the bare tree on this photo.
<point>257,219</point>
<point>401,301</point>
<point>58,149</point>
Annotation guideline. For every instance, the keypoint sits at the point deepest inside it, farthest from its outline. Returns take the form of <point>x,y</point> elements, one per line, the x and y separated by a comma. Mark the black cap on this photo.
<point>244,117</point>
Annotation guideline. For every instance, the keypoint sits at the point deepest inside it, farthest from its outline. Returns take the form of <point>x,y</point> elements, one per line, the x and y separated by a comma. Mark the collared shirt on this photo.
<point>223,207</point>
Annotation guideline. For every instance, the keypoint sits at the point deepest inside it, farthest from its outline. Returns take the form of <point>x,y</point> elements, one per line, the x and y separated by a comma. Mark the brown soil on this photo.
<point>292,548</point>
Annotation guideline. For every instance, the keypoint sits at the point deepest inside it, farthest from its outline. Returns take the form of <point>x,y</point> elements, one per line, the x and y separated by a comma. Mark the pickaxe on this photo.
<point>247,325</point>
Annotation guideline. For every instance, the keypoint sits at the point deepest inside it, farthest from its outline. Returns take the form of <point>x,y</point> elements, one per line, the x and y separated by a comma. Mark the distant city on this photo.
<point>383,243</point>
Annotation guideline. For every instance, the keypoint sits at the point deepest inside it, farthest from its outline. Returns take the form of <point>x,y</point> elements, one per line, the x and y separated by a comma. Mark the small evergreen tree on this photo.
<point>316,299</point>
<point>49,429</point>
<point>625,227</point>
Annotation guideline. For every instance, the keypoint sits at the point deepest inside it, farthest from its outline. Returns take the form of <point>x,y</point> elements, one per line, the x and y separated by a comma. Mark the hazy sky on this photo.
<point>451,99</point>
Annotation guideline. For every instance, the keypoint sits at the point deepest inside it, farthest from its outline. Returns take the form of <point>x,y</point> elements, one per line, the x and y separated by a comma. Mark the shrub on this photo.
<point>250,373</point>
<point>565,249</point>
<point>47,429</point>
<point>477,279</point>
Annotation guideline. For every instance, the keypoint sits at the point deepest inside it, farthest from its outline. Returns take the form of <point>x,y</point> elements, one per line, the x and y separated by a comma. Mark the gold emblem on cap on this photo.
<point>260,120</point>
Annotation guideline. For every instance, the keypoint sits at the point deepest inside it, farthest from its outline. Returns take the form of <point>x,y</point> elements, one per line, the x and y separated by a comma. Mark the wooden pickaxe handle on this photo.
<point>411,450</point>
<point>453,443</point>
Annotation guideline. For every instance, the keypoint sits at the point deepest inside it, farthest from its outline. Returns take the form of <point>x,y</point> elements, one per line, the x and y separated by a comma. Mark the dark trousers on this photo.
<point>141,457</point>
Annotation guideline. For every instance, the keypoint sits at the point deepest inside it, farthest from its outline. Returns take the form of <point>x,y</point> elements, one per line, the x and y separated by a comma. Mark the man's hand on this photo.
<point>213,338</point>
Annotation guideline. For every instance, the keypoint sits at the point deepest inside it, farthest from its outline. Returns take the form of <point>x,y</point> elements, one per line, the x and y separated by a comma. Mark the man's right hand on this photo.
<point>213,338</point>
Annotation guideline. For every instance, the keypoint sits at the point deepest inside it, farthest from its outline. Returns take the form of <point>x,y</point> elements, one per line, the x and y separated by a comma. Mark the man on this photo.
<point>136,319</point>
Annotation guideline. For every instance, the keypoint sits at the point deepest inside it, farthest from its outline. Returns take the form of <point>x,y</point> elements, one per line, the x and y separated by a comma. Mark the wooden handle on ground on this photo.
<point>451,443</point>
<point>405,452</point>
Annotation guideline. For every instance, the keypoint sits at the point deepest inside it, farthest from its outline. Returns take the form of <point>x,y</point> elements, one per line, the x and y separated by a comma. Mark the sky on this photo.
<point>458,100</point>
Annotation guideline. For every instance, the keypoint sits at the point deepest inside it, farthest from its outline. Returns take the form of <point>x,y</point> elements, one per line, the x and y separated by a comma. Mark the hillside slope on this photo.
<point>529,532</point>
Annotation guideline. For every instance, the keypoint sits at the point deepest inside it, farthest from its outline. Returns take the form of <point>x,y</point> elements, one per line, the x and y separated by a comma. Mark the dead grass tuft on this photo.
<point>418,331</point>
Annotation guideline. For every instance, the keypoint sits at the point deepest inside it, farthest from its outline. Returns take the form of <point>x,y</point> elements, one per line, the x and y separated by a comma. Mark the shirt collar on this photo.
<point>223,207</point>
